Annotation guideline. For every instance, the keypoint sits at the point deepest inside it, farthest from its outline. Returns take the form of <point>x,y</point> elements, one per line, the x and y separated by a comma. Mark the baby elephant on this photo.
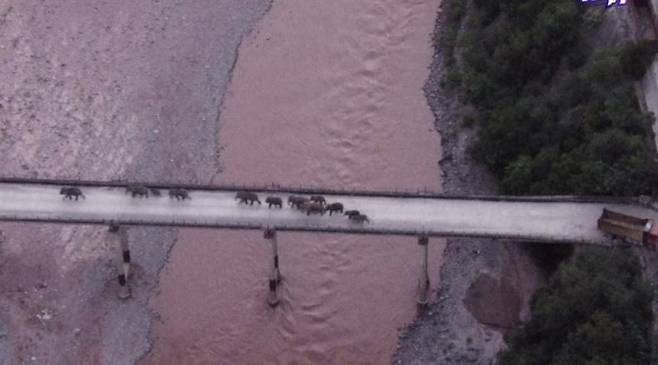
<point>179,194</point>
<point>359,218</point>
<point>247,197</point>
<point>70,193</point>
<point>272,200</point>
<point>350,213</point>
<point>138,190</point>
<point>335,207</point>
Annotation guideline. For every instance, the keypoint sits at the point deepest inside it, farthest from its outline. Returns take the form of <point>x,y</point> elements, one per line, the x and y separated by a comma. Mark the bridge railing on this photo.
<point>273,188</point>
<point>308,228</point>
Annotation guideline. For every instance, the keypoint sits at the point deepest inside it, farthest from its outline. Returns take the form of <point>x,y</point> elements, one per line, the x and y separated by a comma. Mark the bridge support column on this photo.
<point>424,280</point>
<point>124,268</point>
<point>275,274</point>
<point>114,227</point>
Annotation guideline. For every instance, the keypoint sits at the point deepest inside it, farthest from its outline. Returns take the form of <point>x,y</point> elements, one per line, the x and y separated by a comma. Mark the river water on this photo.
<point>324,94</point>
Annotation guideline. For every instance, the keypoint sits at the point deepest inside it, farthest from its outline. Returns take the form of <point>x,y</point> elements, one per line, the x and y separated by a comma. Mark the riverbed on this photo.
<point>323,94</point>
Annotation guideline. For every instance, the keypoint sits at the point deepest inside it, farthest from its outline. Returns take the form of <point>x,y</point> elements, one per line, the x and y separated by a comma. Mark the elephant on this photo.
<point>318,199</point>
<point>247,197</point>
<point>138,190</point>
<point>350,213</point>
<point>179,194</point>
<point>313,208</point>
<point>335,207</point>
<point>296,201</point>
<point>272,200</point>
<point>359,218</point>
<point>71,192</point>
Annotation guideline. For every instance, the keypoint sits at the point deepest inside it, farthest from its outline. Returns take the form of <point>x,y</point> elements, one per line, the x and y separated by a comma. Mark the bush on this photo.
<point>469,120</point>
<point>549,256</point>
<point>454,11</point>
<point>453,79</point>
<point>636,58</point>
<point>595,310</point>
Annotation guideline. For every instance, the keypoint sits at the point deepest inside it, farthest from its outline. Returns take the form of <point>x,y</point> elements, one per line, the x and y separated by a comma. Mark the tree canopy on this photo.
<point>596,310</point>
<point>554,116</point>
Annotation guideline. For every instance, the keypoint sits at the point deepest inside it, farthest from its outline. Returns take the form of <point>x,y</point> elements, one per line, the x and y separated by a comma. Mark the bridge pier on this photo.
<point>114,227</point>
<point>424,280</point>
<point>124,268</point>
<point>275,274</point>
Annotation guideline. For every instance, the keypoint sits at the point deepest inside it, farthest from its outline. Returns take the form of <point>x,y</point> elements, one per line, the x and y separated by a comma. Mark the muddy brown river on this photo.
<point>324,94</point>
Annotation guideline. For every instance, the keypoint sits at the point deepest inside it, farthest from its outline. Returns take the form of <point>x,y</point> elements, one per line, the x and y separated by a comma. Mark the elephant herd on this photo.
<point>315,204</point>
<point>136,191</point>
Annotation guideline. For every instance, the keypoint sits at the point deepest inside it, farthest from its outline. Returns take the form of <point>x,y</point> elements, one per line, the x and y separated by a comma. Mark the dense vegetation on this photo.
<point>595,310</point>
<point>454,12</point>
<point>554,116</point>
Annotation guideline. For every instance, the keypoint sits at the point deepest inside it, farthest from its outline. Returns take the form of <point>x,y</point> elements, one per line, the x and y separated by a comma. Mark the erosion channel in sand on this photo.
<point>324,94</point>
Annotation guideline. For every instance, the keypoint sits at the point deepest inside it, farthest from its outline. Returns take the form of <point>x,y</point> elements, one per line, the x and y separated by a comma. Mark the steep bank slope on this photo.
<point>485,284</point>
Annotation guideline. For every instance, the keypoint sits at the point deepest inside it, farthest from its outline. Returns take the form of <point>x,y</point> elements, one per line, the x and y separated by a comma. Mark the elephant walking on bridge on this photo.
<point>296,201</point>
<point>179,194</point>
<point>71,192</point>
<point>314,208</point>
<point>138,191</point>
<point>247,197</point>
<point>335,207</point>
<point>273,200</point>
<point>359,218</point>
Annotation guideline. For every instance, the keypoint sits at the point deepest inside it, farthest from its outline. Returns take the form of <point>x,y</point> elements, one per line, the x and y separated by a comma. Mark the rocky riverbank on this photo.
<point>485,284</point>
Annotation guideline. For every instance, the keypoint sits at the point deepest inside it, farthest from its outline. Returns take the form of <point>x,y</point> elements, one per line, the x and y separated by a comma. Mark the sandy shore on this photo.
<point>102,90</point>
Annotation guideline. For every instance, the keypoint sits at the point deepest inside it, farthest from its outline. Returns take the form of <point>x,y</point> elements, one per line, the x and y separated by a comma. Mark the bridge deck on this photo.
<point>560,221</point>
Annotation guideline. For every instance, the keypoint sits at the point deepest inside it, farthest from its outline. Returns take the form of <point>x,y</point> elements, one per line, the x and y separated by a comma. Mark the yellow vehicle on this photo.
<point>638,230</point>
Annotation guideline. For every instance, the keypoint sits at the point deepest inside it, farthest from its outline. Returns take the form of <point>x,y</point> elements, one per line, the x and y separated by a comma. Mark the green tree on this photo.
<point>636,58</point>
<point>596,309</point>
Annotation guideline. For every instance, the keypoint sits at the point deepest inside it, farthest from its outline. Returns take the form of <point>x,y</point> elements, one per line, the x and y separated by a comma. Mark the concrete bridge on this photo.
<point>547,219</point>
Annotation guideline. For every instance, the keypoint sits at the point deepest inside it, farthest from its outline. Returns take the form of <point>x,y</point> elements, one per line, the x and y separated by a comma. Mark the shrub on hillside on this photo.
<point>454,11</point>
<point>595,310</point>
<point>636,58</point>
